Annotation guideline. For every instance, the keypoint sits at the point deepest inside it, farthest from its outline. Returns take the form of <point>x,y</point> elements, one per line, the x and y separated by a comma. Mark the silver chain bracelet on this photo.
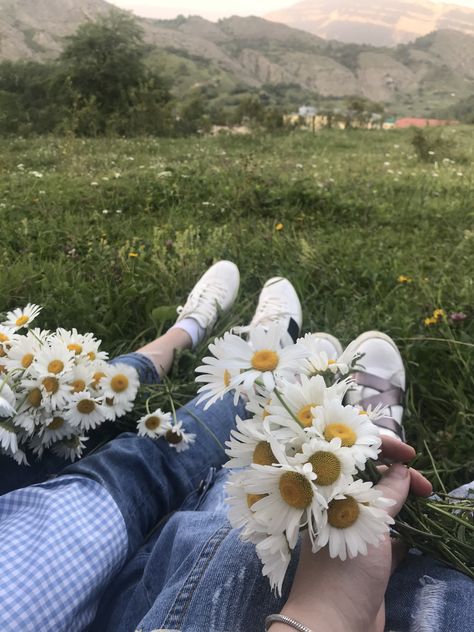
<point>280,618</point>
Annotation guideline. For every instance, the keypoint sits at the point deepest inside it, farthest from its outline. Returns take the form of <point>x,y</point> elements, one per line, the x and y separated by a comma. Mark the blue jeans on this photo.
<point>187,570</point>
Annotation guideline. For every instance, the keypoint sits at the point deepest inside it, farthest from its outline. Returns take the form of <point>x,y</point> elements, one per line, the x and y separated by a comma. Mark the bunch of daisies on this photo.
<point>55,387</point>
<point>300,456</point>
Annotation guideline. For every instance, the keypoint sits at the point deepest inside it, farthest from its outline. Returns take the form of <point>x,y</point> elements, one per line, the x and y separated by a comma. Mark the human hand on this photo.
<point>330,594</point>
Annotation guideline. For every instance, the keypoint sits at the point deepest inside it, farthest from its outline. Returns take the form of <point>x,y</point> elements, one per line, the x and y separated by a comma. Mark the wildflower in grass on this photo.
<point>428,322</point>
<point>279,226</point>
<point>133,255</point>
<point>19,318</point>
<point>439,314</point>
<point>155,424</point>
<point>403,278</point>
<point>457,317</point>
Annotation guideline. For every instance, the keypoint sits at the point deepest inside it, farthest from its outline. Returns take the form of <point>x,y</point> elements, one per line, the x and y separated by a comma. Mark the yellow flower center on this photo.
<point>227,377</point>
<point>3,337</point>
<point>2,353</point>
<point>331,362</point>
<point>295,489</point>
<point>26,360</point>
<point>51,385</point>
<point>91,355</point>
<point>263,455</point>
<point>55,366</point>
<point>58,422</point>
<point>326,466</point>
<point>152,423</point>
<point>109,401</point>
<point>265,360</point>
<point>340,431</point>
<point>86,406</point>
<point>304,415</point>
<point>21,321</point>
<point>78,386</point>
<point>3,368</point>
<point>75,347</point>
<point>96,378</point>
<point>343,513</point>
<point>34,397</point>
<point>173,437</point>
<point>254,498</point>
<point>119,383</point>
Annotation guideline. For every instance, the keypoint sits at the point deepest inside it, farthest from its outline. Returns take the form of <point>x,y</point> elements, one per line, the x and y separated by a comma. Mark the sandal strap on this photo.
<point>394,397</point>
<point>390,424</point>
<point>373,381</point>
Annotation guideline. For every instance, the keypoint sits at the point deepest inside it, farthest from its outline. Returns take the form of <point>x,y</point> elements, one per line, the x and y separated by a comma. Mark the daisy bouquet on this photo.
<point>302,459</point>
<point>55,387</point>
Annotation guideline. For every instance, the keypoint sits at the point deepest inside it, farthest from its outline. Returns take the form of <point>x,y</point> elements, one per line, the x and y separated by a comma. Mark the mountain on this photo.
<point>375,22</point>
<point>279,64</point>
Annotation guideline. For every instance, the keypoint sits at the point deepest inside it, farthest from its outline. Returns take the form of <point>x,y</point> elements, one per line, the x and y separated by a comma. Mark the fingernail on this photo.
<point>399,471</point>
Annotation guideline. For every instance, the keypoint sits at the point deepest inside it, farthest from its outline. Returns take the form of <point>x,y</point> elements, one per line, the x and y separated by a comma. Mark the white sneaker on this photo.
<point>215,292</point>
<point>379,381</point>
<point>327,343</point>
<point>279,303</point>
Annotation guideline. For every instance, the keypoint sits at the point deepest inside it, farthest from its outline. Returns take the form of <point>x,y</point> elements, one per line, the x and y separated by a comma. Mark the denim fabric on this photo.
<point>195,575</point>
<point>14,476</point>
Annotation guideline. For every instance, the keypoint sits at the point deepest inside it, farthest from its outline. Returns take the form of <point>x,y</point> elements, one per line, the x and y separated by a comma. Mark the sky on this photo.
<point>215,9</point>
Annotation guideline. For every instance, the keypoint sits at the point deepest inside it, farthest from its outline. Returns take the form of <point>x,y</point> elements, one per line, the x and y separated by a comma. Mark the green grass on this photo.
<point>352,225</point>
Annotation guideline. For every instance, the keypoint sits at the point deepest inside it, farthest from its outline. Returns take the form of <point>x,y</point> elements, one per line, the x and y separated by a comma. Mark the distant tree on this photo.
<point>106,76</point>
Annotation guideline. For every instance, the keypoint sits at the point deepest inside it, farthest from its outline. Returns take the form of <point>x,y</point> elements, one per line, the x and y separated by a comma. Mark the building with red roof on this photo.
<point>422,122</point>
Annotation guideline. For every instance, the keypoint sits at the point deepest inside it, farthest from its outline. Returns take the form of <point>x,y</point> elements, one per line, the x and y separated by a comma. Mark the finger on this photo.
<point>395,450</point>
<point>420,485</point>
<point>399,551</point>
<point>395,484</point>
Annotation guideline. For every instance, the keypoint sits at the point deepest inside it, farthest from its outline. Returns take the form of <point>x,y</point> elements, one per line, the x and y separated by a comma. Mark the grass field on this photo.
<point>109,235</point>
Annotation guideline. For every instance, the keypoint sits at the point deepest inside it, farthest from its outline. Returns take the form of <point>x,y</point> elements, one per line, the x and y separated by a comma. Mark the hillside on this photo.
<point>235,56</point>
<point>386,23</point>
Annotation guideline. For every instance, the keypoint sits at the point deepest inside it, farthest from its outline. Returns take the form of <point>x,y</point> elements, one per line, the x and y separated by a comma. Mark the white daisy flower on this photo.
<point>7,400</point>
<point>300,400</point>
<point>53,359</point>
<point>249,443</point>
<point>114,408</point>
<point>275,554</point>
<point>332,463</point>
<point>19,318</point>
<point>8,438</point>
<point>373,413</point>
<point>240,504</point>
<point>7,337</point>
<point>355,517</point>
<point>71,448</point>
<point>317,360</point>
<point>179,439</point>
<point>85,412</point>
<point>80,378</point>
<point>21,353</point>
<point>27,421</point>
<point>120,383</point>
<point>154,425</point>
<point>84,346</point>
<point>290,500</point>
<point>258,358</point>
<point>217,379</point>
<point>54,390</point>
<point>258,402</point>
<point>357,432</point>
<point>55,430</point>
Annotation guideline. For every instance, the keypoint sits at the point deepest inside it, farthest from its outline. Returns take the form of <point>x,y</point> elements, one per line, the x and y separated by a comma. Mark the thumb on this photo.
<point>395,484</point>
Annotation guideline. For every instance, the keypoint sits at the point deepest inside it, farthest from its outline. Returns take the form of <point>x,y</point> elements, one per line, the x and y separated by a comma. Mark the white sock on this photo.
<point>193,328</point>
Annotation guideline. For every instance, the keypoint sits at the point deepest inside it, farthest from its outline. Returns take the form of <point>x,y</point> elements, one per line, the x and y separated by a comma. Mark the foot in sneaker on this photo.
<point>215,292</point>
<point>279,303</point>
<point>380,380</point>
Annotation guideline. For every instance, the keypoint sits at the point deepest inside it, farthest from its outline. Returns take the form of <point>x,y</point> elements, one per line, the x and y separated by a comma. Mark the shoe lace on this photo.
<point>270,310</point>
<point>205,300</point>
